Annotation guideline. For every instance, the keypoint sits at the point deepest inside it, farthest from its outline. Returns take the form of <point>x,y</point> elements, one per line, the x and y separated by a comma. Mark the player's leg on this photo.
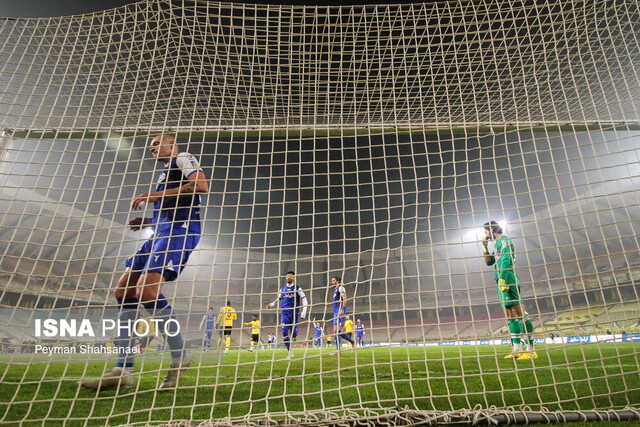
<point>127,298</point>
<point>285,336</point>
<point>528,327</point>
<point>287,330</point>
<point>162,312</point>
<point>530,340</point>
<point>227,339</point>
<point>170,252</point>
<point>341,328</point>
<point>514,320</point>
<point>127,295</point>
<point>347,337</point>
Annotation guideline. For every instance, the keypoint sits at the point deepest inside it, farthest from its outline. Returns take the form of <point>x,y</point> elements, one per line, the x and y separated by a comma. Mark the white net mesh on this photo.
<point>367,142</point>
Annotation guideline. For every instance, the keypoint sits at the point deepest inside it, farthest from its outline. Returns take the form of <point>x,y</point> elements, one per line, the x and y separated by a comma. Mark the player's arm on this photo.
<point>203,322</point>
<point>136,224</point>
<point>305,303</point>
<point>343,300</point>
<point>196,183</point>
<point>489,259</point>
<point>274,303</point>
<point>221,317</point>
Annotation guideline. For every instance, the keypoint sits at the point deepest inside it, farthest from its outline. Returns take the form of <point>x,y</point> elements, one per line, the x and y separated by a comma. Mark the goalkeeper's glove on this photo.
<point>485,245</point>
<point>502,285</point>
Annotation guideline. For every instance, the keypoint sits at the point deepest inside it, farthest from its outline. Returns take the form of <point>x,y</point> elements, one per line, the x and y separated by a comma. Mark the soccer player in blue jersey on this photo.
<point>319,334</point>
<point>339,312</point>
<point>177,227</point>
<point>207,323</point>
<point>359,333</point>
<point>291,298</point>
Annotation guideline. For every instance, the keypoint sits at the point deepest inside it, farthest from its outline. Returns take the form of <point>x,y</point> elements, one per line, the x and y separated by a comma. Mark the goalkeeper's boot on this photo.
<point>513,356</point>
<point>173,376</point>
<point>118,378</point>
<point>290,356</point>
<point>528,356</point>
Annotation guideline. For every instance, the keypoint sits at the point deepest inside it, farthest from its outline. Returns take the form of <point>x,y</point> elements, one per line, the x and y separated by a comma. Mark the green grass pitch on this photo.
<point>41,388</point>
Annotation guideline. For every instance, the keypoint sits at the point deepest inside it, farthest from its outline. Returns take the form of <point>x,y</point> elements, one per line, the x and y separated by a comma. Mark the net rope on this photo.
<point>366,142</point>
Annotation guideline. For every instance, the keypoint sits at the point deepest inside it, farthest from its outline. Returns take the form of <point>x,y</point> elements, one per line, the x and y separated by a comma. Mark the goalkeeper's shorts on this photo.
<point>511,296</point>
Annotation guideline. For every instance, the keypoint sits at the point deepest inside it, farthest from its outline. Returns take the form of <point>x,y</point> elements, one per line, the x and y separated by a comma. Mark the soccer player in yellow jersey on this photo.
<point>255,331</point>
<point>225,319</point>
<point>348,327</point>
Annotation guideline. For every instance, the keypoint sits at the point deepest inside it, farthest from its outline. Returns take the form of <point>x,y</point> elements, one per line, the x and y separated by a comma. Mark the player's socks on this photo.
<point>227,343</point>
<point>287,342</point>
<point>162,311</point>
<point>128,313</point>
<point>528,327</point>
<point>515,327</point>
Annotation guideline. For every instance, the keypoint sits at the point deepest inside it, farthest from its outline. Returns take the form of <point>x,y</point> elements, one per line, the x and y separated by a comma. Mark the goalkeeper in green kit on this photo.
<point>503,258</point>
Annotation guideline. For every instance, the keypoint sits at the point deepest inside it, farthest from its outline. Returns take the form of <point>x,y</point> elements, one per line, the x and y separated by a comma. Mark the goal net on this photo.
<point>369,143</point>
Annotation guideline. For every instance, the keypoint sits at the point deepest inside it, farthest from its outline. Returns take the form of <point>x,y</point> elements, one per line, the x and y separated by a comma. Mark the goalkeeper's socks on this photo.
<point>515,327</point>
<point>128,315</point>
<point>528,327</point>
<point>162,311</point>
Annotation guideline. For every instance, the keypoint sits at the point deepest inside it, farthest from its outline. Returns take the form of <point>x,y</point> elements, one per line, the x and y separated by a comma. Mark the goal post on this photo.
<point>370,143</point>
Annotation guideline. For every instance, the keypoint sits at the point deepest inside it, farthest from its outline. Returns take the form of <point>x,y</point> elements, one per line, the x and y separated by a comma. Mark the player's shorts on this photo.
<point>360,336</point>
<point>511,296</point>
<point>289,322</point>
<point>227,330</point>
<point>255,338</point>
<point>167,253</point>
<point>207,334</point>
<point>337,319</point>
